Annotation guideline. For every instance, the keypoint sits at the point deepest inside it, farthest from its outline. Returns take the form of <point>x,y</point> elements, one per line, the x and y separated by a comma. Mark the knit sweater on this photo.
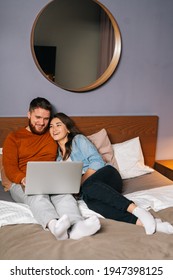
<point>22,146</point>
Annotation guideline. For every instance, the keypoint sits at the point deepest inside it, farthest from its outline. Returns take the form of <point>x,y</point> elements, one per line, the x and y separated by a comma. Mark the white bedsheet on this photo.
<point>15,213</point>
<point>156,199</point>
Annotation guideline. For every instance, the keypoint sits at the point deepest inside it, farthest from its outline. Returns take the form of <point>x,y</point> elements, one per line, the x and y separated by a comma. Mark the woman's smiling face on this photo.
<point>58,130</point>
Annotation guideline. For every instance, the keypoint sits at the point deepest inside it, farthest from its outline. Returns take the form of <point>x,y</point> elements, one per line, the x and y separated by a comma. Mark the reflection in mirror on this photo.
<point>76,44</point>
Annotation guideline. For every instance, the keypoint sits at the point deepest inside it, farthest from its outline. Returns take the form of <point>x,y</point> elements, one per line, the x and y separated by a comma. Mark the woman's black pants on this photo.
<point>102,192</point>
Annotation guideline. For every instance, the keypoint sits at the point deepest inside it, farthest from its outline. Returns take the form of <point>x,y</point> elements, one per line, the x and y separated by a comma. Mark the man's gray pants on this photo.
<point>48,207</point>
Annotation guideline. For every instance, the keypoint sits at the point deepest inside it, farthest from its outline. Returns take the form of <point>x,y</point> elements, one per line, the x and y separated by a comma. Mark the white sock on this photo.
<point>163,227</point>
<point>146,219</point>
<point>59,227</point>
<point>85,228</point>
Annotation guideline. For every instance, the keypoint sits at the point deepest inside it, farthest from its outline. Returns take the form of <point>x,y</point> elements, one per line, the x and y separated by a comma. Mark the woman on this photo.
<point>101,184</point>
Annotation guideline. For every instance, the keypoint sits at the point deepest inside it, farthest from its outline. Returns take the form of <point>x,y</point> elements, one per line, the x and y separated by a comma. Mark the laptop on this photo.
<point>52,177</point>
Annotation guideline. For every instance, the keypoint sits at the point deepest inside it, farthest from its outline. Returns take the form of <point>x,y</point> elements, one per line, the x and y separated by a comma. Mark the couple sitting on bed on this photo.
<point>101,184</point>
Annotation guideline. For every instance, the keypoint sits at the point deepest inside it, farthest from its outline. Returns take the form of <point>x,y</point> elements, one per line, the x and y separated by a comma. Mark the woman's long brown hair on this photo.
<point>73,131</point>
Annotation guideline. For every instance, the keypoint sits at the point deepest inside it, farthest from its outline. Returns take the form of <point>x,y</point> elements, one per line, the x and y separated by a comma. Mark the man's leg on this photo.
<point>40,205</point>
<point>43,211</point>
<point>67,204</point>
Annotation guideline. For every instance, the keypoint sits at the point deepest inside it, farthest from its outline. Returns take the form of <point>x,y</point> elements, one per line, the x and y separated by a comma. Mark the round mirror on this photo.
<point>76,44</point>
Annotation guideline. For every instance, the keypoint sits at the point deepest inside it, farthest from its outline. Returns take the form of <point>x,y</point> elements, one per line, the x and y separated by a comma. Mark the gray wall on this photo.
<point>76,41</point>
<point>142,84</point>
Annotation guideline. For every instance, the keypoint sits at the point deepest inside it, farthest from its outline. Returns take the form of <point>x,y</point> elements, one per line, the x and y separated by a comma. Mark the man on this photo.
<point>34,143</point>
<point>29,144</point>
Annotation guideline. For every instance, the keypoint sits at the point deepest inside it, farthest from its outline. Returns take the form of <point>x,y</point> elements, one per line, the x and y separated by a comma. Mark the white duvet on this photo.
<point>156,199</point>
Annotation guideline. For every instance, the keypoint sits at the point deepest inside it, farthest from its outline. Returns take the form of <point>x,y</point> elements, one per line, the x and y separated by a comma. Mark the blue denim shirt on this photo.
<point>83,150</point>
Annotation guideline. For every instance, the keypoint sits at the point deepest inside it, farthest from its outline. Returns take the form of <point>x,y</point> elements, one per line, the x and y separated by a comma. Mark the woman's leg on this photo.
<point>104,188</point>
<point>110,212</point>
<point>109,175</point>
<point>105,185</point>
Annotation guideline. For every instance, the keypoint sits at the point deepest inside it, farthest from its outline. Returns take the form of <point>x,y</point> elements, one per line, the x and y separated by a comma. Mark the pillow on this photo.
<point>6,183</point>
<point>101,141</point>
<point>130,159</point>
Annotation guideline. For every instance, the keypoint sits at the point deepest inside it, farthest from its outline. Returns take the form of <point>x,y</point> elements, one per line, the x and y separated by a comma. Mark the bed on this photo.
<point>24,239</point>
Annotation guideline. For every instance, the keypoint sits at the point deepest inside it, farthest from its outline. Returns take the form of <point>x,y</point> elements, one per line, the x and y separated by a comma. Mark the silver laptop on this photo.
<point>45,177</point>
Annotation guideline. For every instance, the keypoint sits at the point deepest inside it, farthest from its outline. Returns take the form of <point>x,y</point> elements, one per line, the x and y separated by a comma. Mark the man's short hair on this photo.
<point>40,102</point>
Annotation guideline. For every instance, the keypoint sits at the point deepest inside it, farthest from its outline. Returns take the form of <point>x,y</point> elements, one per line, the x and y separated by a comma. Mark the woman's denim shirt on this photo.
<point>83,150</point>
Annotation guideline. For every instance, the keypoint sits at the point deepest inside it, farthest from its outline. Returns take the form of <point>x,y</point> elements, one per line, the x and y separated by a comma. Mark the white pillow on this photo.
<point>0,161</point>
<point>130,159</point>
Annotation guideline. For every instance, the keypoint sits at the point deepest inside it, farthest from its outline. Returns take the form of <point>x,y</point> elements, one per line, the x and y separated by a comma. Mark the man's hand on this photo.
<point>23,181</point>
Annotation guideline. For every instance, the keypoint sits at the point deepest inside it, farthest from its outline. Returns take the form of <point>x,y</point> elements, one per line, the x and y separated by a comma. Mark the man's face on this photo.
<point>38,120</point>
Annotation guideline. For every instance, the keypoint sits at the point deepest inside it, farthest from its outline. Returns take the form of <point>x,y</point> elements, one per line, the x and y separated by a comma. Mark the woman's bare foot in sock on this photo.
<point>163,226</point>
<point>146,219</point>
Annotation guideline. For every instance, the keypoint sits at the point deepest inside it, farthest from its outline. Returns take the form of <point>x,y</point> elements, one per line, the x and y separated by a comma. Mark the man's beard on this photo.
<point>35,131</point>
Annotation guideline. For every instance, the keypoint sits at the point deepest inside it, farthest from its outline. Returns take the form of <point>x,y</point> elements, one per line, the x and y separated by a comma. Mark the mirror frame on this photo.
<point>110,69</point>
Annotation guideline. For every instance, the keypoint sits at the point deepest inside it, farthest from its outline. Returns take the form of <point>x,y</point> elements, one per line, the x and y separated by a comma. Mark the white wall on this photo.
<point>142,84</point>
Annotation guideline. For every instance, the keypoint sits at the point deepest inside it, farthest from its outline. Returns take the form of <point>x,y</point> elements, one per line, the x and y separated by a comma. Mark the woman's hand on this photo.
<point>87,174</point>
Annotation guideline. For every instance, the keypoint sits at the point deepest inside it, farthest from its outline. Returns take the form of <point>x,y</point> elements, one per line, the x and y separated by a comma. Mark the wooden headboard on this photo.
<point>119,129</point>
